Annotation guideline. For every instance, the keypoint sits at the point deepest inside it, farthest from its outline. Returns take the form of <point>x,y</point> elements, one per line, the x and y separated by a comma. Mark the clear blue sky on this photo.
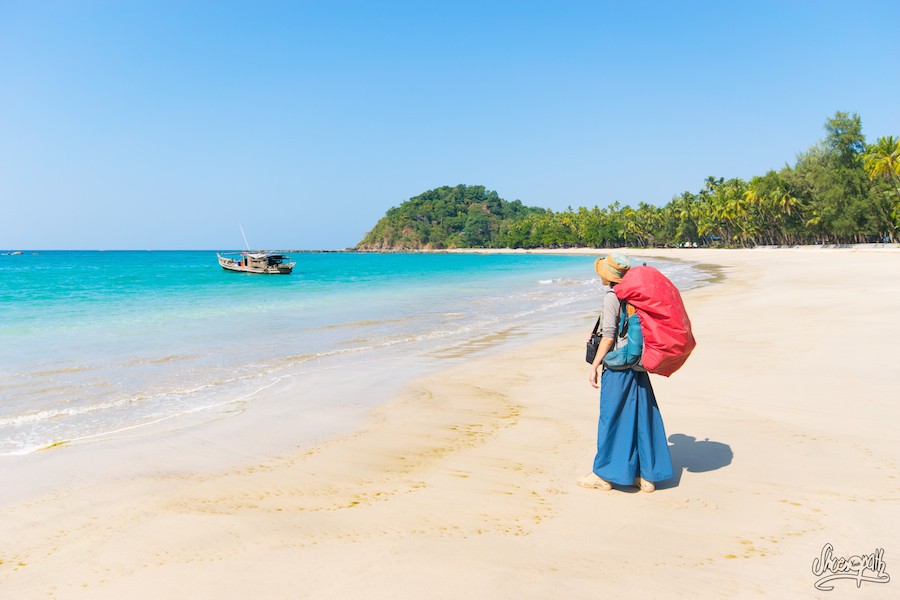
<point>159,124</point>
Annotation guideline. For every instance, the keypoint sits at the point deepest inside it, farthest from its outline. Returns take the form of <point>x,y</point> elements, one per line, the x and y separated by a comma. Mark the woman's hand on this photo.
<point>593,376</point>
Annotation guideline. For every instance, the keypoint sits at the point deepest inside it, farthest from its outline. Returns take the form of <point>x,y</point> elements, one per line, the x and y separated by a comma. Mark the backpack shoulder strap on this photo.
<point>623,317</point>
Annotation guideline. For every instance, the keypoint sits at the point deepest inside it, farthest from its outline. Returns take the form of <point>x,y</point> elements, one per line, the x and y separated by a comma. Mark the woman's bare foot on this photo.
<point>593,482</point>
<point>644,485</point>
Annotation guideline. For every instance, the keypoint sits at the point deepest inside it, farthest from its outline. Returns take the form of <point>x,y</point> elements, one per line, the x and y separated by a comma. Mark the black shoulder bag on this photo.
<point>594,342</point>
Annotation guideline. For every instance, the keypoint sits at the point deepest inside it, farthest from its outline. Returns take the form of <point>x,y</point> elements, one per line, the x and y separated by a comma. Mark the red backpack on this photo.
<point>668,340</point>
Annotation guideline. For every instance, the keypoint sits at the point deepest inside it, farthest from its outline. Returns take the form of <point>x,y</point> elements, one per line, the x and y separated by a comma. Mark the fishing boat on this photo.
<point>268,263</point>
<point>259,261</point>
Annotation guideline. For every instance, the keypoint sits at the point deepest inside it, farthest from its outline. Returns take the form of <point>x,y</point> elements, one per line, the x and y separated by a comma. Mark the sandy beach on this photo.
<point>782,428</point>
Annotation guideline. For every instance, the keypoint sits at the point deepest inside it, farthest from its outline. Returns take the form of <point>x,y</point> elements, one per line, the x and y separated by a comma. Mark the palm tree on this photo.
<point>632,230</point>
<point>735,210</point>
<point>759,215</point>
<point>707,225</point>
<point>680,212</point>
<point>788,206</point>
<point>711,184</point>
<point>651,221</point>
<point>817,222</point>
<point>882,159</point>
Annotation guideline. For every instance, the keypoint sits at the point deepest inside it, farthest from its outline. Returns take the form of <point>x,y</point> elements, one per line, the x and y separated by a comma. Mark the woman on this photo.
<point>631,440</point>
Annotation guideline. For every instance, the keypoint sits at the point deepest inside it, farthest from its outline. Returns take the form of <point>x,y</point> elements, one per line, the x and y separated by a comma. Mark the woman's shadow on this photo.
<point>697,456</point>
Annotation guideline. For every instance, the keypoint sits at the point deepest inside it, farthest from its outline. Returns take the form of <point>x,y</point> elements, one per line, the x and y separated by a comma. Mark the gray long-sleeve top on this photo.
<point>609,326</point>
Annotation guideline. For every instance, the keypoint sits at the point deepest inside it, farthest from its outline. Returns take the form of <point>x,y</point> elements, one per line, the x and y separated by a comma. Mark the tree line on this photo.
<point>841,190</point>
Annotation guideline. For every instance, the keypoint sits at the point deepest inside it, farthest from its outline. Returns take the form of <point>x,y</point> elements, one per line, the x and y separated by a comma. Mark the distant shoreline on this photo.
<point>636,250</point>
<point>574,250</point>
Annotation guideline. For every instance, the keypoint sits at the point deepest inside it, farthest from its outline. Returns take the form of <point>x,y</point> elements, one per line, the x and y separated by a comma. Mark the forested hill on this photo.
<point>447,217</point>
<point>841,190</point>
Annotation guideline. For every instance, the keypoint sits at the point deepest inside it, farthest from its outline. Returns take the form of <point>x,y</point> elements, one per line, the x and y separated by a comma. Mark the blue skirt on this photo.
<point>631,439</point>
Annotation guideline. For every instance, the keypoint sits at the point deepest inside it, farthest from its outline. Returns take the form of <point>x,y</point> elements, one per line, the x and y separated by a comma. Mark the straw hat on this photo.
<point>612,267</point>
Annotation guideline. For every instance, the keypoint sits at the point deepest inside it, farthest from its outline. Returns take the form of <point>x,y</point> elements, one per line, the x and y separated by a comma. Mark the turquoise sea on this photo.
<point>96,342</point>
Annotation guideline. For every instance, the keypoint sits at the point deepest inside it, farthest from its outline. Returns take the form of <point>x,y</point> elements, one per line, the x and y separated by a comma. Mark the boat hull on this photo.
<point>230,264</point>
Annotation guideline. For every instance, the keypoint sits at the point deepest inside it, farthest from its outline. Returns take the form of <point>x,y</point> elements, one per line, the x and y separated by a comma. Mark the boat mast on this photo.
<point>244,236</point>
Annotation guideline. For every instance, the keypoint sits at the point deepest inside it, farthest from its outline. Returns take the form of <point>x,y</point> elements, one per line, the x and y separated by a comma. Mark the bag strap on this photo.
<point>623,318</point>
<point>627,311</point>
<point>600,318</point>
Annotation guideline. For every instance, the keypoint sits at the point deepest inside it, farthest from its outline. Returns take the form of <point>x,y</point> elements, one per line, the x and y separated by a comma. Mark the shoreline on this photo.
<point>151,357</point>
<point>630,250</point>
<point>573,250</point>
<point>554,284</point>
<point>470,470</point>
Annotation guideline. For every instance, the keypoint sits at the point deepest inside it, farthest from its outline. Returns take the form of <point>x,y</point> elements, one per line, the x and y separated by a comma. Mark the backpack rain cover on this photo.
<point>668,340</point>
